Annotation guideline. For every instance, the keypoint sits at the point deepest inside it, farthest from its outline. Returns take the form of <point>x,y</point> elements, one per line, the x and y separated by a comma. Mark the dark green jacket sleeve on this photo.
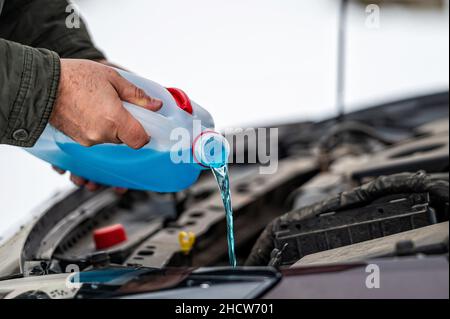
<point>29,77</point>
<point>28,87</point>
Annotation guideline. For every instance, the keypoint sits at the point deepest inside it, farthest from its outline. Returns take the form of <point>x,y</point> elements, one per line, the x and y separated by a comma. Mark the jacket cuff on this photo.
<point>36,95</point>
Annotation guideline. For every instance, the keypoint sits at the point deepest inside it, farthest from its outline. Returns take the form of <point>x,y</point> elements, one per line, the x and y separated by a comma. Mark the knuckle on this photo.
<point>112,73</point>
<point>93,136</point>
<point>137,138</point>
<point>137,143</point>
<point>139,93</point>
<point>115,116</point>
<point>83,141</point>
<point>87,143</point>
<point>111,124</point>
<point>76,180</point>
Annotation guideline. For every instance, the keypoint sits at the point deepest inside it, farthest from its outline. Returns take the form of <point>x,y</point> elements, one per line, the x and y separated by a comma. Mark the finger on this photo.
<point>131,132</point>
<point>130,93</point>
<point>58,170</point>
<point>79,181</point>
<point>92,187</point>
<point>120,190</point>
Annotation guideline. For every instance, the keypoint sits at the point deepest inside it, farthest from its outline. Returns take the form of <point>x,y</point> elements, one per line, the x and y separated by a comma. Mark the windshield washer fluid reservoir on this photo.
<point>169,163</point>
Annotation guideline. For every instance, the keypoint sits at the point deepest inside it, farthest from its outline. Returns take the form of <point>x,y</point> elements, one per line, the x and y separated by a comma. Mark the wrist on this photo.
<point>59,94</point>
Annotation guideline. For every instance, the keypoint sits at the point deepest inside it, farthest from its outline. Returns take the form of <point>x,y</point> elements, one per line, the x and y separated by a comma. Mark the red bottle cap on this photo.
<point>182,99</point>
<point>109,236</point>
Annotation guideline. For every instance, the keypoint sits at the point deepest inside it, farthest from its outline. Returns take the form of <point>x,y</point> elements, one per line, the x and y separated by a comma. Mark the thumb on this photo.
<point>130,93</point>
<point>131,132</point>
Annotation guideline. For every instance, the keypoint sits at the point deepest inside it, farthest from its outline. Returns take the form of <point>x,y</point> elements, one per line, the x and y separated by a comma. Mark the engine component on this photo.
<point>109,236</point>
<point>349,204</point>
<point>428,240</point>
<point>386,216</point>
<point>429,153</point>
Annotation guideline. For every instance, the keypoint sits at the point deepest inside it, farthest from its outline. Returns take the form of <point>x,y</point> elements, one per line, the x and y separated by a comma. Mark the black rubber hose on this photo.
<point>356,128</point>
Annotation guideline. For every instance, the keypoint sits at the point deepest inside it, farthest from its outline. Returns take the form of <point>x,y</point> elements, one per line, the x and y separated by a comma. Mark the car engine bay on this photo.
<point>370,184</point>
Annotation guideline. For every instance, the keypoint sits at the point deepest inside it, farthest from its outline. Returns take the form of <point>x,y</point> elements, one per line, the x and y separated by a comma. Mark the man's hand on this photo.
<point>89,109</point>
<point>89,105</point>
<point>81,182</point>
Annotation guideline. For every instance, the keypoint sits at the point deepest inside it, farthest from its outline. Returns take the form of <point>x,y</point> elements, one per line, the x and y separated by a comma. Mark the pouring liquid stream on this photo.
<point>221,175</point>
<point>210,149</point>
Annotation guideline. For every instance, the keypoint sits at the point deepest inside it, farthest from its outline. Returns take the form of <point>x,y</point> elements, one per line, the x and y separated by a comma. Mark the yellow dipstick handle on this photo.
<point>186,241</point>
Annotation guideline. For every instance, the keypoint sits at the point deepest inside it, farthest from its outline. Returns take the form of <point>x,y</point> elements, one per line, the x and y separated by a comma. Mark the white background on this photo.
<point>249,62</point>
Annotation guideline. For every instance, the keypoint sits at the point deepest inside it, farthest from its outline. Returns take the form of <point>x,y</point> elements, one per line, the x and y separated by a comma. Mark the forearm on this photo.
<point>29,81</point>
<point>29,77</point>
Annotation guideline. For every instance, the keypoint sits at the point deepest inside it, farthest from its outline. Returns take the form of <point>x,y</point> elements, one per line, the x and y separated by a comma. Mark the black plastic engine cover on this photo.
<point>387,216</point>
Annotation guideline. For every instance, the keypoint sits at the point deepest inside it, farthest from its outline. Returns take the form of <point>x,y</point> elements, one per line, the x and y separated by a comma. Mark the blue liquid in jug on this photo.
<point>221,175</point>
<point>119,165</point>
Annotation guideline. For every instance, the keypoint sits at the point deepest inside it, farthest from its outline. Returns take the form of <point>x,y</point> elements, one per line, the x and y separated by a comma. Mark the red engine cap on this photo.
<point>182,99</point>
<point>109,236</point>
